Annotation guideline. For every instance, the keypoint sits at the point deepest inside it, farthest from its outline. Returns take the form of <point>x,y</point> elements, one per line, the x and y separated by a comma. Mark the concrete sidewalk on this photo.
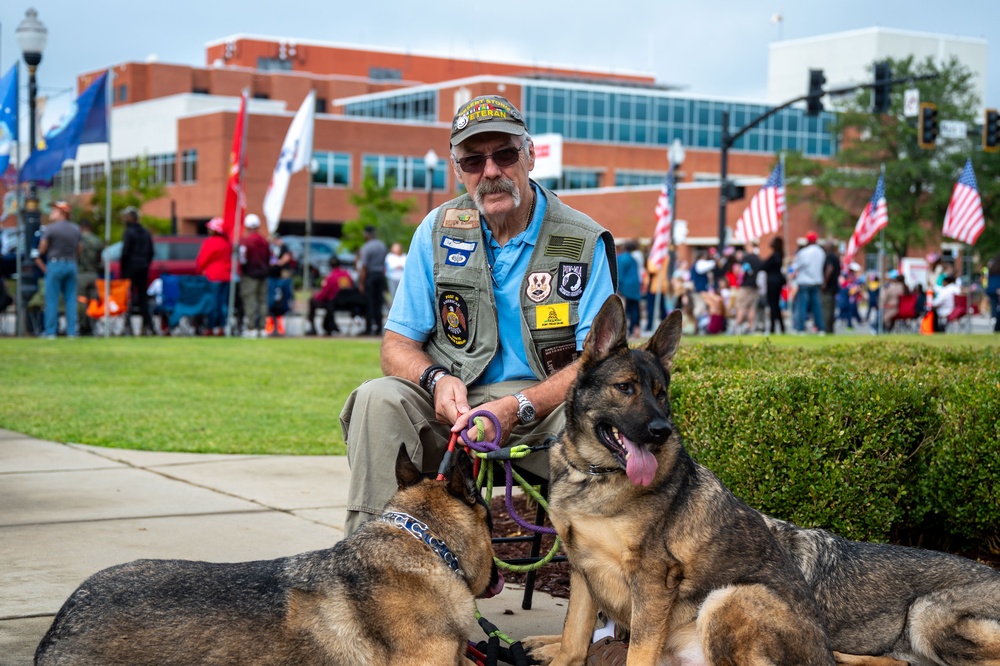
<point>68,510</point>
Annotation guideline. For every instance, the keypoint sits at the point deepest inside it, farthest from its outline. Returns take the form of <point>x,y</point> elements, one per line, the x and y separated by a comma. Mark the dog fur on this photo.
<point>655,540</point>
<point>380,596</point>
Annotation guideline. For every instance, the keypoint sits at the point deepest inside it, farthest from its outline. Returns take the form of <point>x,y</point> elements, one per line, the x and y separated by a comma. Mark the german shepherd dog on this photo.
<point>887,605</point>
<point>655,540</point>
<point>392,593</point>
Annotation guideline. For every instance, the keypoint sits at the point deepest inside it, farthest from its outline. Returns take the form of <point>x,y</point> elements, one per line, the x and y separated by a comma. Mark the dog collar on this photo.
<point>421,532</point>
<point>594,470</point>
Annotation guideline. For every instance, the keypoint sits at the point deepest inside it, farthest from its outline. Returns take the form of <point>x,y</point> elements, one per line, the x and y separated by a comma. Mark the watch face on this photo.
<point>526,414</point>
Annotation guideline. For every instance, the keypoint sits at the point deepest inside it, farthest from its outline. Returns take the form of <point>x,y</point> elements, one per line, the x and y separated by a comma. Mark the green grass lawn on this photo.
<point>229,396</point>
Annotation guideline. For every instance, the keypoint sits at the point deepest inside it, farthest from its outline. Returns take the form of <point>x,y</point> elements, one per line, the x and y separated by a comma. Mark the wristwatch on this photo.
<point>525,410</point>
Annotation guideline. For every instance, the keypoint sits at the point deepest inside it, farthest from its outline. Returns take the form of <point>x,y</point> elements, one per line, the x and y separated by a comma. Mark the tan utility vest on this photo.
<point>466,337</point>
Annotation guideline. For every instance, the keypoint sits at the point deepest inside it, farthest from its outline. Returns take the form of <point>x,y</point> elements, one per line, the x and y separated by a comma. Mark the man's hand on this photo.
<point>451,399</point>
<point>505,409</point>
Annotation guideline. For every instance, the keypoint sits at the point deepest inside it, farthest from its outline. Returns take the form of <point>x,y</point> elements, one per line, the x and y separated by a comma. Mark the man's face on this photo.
<point>496,190</point>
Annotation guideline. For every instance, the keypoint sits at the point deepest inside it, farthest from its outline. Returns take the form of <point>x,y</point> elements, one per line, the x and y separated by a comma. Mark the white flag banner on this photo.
<point>296,153</point>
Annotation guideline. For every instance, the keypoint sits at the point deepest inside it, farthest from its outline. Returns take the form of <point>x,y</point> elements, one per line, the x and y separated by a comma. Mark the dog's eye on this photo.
<point>624,387</point>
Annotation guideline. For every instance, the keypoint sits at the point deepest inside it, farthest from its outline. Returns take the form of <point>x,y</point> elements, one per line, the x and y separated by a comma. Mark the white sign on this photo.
<point>911,103</point>
<point>680,231</point>
<point>915,272</point>
<point>954,129</point>
<point>548,156</point>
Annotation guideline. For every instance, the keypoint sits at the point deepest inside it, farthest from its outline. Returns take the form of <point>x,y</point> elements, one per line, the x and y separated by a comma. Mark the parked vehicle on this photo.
<point>174,255</point>
<point>321,248</point>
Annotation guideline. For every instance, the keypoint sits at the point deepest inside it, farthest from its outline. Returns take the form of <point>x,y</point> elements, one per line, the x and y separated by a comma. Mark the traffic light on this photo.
<point>882,87</point>
<point>814,102</point>
<point>991,131</point>
<point>927,125</point>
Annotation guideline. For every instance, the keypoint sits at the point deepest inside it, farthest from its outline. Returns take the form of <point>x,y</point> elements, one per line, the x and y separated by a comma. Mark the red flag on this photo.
<point>236,202</point>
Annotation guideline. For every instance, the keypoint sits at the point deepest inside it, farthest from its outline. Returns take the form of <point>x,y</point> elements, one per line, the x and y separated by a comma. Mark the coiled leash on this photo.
<point>490,652</point>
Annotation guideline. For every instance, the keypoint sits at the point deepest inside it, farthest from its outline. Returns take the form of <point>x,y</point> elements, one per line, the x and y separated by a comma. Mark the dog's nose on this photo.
<point>659,429</point>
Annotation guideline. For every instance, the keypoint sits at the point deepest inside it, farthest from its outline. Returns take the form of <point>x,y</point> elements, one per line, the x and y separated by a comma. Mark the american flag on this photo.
<point>664,220</point>
<point>873,219</point>
<point>964,220</point>
<point>765,211</point>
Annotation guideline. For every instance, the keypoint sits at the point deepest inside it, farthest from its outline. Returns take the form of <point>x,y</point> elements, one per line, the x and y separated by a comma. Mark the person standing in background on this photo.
<point>89,269</point>
<point>629,286</point>
<point>60,245</point>
<point>371,279</point>
<point>137,255</point>
<point>773,268</point>
<point>831,286</point>
<point>215,262</point>
<point>395,261</point>
<point>807,267</point>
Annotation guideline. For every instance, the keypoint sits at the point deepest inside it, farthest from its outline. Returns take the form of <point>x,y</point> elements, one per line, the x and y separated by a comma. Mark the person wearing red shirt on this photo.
<point>255,259</point>
<point>215,262</point>
<point>337,293</point>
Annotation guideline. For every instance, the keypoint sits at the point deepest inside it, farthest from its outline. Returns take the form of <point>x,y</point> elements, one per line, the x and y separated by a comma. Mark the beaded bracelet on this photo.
<point>425,378</point>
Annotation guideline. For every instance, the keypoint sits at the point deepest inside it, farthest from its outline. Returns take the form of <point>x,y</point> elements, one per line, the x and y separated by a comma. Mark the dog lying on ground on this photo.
<point>887,605</point>
<point>654,539</point>
<point>380,596</point>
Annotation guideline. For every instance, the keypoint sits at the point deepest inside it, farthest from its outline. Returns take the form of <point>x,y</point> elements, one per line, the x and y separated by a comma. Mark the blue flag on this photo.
<point>8,116</point>
<point>84,122</point>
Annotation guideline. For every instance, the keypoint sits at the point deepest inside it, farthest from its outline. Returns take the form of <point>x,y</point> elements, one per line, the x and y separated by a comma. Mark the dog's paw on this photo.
<point>542,649</point>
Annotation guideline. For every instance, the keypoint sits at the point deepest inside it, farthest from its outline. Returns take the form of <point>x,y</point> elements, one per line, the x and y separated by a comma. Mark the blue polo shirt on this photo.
<point>414,314</point>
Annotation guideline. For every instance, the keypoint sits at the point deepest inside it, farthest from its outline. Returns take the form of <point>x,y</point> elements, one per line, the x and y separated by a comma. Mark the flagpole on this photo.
<point>109,100</point>
<point>307,277</point>
<point>881,265</point>
<point>238,214</point>
<point>784,215</point>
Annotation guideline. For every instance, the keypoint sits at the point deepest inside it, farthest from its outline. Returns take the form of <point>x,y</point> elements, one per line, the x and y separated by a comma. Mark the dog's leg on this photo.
<point>578,629</point>
<point>866,660</point>
<point>652,604</point>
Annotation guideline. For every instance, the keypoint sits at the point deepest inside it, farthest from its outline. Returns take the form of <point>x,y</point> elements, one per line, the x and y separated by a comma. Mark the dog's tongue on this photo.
<point>640,464</point>
<point>496,588</point>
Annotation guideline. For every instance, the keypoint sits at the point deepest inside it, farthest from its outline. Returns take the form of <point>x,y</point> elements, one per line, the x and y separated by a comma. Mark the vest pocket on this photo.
<point>457,314</point>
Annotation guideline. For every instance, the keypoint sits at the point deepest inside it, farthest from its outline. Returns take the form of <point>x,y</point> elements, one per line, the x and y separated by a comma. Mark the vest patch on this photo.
<point>558,357</point>
<point>461,218</point>
<point>572,280</point>
<point>454,318</point>
<point>555,315</point>
<point>457,259</point>
<point>539,287</point>
<point>459,244</point>
<point>568,247</point>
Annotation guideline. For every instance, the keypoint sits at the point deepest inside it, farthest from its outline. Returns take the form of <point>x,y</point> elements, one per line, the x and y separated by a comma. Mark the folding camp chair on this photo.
<point>195,302</point>
<point>960,317</point>
<point>117,308</point>
<point>907,319</point>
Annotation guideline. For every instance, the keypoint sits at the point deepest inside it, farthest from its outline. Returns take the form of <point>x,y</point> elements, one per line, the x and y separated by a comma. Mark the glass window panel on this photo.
<point>639,133</point>
<point>599,106</point>
<point>559,101</point>
<point>558,126</point>
<point>641,108</point>
<point>662,111</point>
<point>597,130</point>
<point>582,105</point>
<point>580,129</point>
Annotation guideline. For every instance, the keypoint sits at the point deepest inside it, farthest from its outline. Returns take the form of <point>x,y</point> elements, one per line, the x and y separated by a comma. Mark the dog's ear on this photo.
<point>407,474</point>
<point>665,341</point>
<point>462,483</point>
<point>607,332</point>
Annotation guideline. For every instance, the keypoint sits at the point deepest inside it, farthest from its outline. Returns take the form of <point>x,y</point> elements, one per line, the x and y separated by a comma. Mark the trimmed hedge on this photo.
<point>862,440</point>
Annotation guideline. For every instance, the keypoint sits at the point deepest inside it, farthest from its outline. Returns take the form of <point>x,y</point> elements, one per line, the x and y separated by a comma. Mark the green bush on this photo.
<point>860,440</point>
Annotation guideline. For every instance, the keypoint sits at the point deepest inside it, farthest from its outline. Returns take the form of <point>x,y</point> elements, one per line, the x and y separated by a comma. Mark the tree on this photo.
<point>378,208</point>
<point>918,182</point>
<point>142,187</point>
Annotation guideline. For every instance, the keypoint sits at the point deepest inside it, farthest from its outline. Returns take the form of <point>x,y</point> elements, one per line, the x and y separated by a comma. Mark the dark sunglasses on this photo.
<point>502,158</point>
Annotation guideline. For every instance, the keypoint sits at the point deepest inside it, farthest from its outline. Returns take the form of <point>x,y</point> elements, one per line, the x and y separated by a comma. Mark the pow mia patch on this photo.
<point>539,287</point>
<point>572,280</point>
<point>454,318</point>
<point>461,218</point>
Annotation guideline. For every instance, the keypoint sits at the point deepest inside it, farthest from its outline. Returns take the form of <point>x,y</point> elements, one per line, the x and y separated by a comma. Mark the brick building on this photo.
<point>382,110</point>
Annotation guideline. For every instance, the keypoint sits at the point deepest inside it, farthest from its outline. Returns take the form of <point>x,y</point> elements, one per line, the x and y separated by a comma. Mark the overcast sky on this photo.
<point>709,47</point>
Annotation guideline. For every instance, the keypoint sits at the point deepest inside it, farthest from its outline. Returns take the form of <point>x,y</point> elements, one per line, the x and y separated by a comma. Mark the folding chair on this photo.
<point>117,308</point>
<point>907,319</point>
<point>194,302</point>
<point>959,318</point>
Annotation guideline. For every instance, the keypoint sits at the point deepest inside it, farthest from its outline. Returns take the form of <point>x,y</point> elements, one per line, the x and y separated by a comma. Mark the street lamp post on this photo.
<point>675,155</point>
<point>31,38</point>
<point>430,162</point>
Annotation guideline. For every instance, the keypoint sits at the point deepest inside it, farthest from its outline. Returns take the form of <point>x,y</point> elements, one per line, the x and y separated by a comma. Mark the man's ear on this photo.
<point>457,170</point>
<point>531,155</point>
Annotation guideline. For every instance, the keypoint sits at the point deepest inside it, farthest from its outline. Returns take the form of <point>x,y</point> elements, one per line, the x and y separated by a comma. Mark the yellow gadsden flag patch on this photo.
<point>555,315</point>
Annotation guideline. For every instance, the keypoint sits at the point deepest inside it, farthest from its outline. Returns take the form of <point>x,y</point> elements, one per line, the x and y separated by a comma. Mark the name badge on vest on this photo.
<point>555,315</point>
<point>461,218</point>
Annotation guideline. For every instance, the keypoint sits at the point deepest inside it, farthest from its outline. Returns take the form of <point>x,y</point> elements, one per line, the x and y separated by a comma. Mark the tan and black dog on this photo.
<point>654,539</point>
<point>886,605</point>
<point>398,591</point>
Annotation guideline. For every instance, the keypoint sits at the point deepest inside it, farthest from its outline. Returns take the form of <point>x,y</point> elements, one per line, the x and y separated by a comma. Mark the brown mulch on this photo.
<point>553,578</point>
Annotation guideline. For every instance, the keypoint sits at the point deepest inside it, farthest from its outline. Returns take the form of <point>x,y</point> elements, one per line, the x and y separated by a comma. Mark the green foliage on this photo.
<point>378,208</point>
<point>142,187</point>
<point>863,440</point>
<point>918,182</point>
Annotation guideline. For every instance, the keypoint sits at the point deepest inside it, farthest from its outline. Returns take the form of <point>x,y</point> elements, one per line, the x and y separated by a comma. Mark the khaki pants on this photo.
<point>254,293</point>
<point>385,412</point>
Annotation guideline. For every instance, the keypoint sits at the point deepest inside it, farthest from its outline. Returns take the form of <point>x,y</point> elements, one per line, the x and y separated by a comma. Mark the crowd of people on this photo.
<point>740,291</point>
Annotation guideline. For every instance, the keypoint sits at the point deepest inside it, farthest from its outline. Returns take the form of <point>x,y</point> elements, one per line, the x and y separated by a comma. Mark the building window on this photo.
<point>385,74</point>
<point>189,166</point>
<point>334,169</point>
<point>274,65</point>
<point>406,173</point>
<point>63,182</point>
<point>123,93</point>
<point>573,179</point>
<point>634,178</point>
<point>261,95</point>
<point>89,175</point>
<point>420,106</point>
<point>320,105</point>
<point>164,168</point>
<point>200,91</point>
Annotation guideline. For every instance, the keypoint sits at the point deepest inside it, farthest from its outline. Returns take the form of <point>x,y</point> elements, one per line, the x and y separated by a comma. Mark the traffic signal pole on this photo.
<point>727,140</point>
